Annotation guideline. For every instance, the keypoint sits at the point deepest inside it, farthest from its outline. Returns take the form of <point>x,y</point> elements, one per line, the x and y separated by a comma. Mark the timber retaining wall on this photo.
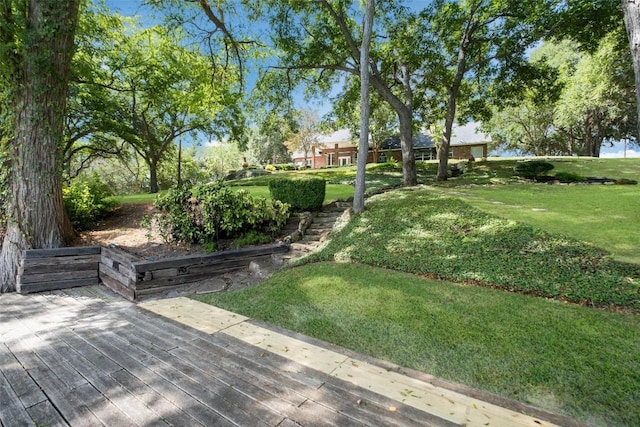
<point>127,274</point>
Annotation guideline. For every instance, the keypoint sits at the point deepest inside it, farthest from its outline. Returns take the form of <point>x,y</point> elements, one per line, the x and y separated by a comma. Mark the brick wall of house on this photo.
<point>321,160</point>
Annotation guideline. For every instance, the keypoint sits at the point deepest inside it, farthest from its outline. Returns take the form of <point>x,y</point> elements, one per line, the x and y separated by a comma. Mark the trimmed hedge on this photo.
<point>301,194</point>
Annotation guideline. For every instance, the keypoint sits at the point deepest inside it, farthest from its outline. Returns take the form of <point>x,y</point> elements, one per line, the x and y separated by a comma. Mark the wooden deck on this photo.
<point>88,357</point>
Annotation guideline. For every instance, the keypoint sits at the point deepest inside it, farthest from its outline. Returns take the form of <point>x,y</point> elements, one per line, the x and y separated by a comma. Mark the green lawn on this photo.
<point>606,216</point>
<point>568,359</point>
<point>528,344</point>
<point>136,198</point>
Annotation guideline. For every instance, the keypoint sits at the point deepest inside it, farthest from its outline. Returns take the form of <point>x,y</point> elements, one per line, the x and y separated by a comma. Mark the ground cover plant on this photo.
<point>567,359</point>
<point>425,232</point>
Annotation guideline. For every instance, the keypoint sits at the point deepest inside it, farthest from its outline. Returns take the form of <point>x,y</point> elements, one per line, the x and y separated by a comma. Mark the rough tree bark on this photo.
<point>631,10</point>
<point>363,147</point>
<point>36,217</point>
<point>452,94</point>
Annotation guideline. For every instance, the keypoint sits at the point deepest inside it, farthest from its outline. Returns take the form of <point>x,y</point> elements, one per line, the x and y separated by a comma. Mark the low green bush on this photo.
<point>531,169</point>
<point>569,177</point>
<point>215,211</point>
<point>87,202</point>
<point>301,193</point>
<point>283,167</point>
<point>270,168</point>
<point>251,238</point>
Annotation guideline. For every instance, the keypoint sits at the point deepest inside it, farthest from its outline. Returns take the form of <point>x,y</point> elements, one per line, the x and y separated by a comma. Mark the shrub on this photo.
<point>284,167</point>
<point>301,193</point>
<point>215,211</point>
<point>245,173</point>
<point>532,168</point>
<point>569,177</point>
<point>178,220</point>
<point>87,202</point>
<point>270,168</point>
<point>251,238</point>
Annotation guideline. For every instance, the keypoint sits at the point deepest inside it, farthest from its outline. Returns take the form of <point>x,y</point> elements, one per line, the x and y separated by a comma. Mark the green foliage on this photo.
<point>443,237</point>
<point>216,211</point>
<point>87,202</point>
<point>532,168</point>
<point>270,168</point>
<point>301,194</point>
<point>177,223</point>
<point>284,167</point>
<point>251,238</point>
<point>569,177</point>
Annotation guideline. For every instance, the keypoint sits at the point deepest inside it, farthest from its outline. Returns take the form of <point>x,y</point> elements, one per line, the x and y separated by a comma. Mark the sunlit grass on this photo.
<point>604,215</point>
<point>568,359</point>
<point>136,198</point>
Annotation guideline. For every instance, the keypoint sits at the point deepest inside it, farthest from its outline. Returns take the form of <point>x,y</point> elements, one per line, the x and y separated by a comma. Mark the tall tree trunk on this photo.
<point>36,217</point>
<point>153,177</point>
<point>404,110</point>
<point>406,144</point>
<point>631,10</point>
<point>452,91</point>
<point>443,149</point>
<point>363,147</point>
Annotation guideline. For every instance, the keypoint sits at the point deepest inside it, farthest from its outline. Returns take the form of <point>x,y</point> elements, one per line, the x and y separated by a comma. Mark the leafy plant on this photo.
<point>251,238</point>
<point>87,202</point>
<point>531,169</point>
<point>569,177</point>
<point>215,211</point>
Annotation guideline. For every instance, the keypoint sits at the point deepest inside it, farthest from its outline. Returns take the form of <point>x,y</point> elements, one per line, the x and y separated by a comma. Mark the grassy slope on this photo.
<point>568,359</point>
<point>606,216</point>
<point>426,232</point>
<point>565,358</point>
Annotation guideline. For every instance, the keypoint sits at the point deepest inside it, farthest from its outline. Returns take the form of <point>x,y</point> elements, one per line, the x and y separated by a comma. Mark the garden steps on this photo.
<point>317,232</point>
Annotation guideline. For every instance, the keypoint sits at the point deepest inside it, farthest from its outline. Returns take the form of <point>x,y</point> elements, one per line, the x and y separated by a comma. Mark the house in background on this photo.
<point>339,149</point>
<point>335,149</point>
<point>466,143</point>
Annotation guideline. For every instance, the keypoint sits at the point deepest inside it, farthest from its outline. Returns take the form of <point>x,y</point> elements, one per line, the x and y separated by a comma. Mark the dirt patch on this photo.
<point>122,228</point>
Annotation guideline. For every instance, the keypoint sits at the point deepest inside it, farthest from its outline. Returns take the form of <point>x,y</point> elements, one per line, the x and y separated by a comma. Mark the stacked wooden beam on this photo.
<point>117,273</point>
<point>51,269</point>
<point>170,273</point>
<point>128,274</point>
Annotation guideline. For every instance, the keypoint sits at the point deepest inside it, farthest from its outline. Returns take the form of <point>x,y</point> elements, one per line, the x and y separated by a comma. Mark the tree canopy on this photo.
<point>150,87</point>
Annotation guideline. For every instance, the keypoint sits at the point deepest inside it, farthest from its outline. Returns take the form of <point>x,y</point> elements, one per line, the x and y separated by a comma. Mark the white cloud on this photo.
<point>620,154</point>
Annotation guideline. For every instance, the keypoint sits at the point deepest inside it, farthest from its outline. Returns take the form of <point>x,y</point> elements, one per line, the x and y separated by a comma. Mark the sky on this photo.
<point>618,150</point>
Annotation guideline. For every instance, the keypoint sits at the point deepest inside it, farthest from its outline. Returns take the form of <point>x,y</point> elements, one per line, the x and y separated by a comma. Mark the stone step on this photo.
<point>324,221</point>
<point>293,255</point>
<point>317,230</point>
<point>304,247</point>
<point>327,215</point>
<point>343,205</point>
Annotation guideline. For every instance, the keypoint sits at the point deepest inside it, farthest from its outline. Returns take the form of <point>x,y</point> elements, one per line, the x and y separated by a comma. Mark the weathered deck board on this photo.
<point>88,357</point>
